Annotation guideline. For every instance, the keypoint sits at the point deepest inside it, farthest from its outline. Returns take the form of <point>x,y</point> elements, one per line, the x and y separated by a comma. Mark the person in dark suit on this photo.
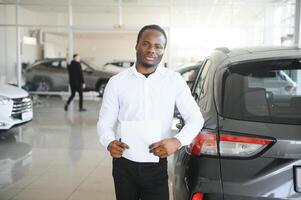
<point>76,81</point>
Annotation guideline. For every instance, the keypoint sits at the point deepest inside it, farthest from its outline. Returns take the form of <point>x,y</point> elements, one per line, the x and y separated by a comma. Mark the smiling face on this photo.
<point>150,48</point>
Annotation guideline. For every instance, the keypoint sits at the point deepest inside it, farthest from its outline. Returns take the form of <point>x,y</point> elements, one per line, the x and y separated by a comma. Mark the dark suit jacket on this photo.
<point>76,78</point>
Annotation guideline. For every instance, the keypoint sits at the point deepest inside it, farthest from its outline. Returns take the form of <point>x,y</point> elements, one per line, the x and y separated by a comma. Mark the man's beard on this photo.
<point>149,65</point>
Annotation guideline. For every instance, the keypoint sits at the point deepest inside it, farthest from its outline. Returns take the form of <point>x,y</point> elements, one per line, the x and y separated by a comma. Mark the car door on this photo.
<point>62,76</point>
<point>90,76</point>
<point>48,76</point>
<point>260,140</point>
<point>203,171</point>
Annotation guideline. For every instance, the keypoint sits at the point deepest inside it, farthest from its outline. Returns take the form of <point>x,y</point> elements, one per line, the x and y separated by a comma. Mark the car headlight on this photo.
<point>4,100</point>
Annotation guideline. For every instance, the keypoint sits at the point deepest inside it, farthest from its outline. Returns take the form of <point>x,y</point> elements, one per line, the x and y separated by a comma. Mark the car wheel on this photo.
<point>101,88</point>
<point>45,86</point>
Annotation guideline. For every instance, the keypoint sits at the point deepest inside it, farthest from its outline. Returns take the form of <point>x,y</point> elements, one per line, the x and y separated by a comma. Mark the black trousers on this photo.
<point>80,93</point>
<point>144,181</point>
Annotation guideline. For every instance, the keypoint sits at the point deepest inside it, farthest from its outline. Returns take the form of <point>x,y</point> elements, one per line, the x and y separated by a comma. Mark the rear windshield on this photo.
<point>267,91</point>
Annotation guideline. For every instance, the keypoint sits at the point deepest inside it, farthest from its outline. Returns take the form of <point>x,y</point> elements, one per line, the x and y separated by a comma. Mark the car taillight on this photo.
<point>197,196</point>
<point>242,146</point>
<point>229,145</point>
<point>204,143</point>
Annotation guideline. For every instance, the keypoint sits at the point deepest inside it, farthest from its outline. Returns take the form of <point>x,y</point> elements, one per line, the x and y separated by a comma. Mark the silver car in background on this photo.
<point>52,75</point>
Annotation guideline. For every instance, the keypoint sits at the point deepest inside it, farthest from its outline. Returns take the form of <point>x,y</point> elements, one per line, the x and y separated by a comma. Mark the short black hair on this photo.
<point>153,27</point>
<point>74,55</point>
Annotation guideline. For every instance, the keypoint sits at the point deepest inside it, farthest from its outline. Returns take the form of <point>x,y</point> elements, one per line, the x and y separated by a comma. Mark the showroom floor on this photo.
<point>56,156</point>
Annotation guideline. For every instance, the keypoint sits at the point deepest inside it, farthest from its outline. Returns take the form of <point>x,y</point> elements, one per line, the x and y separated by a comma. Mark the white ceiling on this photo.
<point>208,11</point>
<point>146,2</point>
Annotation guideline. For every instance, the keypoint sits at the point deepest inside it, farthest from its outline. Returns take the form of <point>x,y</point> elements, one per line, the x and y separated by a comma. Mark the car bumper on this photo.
<point>196,174</point>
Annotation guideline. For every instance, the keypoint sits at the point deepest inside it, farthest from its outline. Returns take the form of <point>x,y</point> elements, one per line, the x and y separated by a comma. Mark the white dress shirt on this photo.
<point>130,96</point>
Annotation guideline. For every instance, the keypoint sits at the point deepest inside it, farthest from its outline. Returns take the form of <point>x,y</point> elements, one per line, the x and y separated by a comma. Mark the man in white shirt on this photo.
<point>135,120</point>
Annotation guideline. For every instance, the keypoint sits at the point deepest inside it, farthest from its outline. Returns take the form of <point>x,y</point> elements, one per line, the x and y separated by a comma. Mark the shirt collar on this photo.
<point>158,71</point>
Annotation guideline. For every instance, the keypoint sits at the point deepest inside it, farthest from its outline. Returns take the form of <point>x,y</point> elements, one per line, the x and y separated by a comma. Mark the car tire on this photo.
<point>47,86</point>
<point>43,85</point>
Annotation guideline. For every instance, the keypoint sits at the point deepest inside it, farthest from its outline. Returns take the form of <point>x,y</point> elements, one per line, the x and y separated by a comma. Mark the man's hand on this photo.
<point>116,148</point>
<point>84,85</point>
<point>165,147</point>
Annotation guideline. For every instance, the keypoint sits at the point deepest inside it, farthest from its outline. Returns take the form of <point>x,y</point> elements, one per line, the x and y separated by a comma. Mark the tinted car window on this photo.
<point>263,91</point>
<point>118,64</point>
<point>56,64</point>
<point>64,64</point>
<point>127,64</point>
<point>202,83</point>
<point>45,64</point>
<point>201,87</point>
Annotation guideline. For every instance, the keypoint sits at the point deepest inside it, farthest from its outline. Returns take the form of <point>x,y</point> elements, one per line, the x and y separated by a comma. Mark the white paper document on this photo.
<point>138,135</point>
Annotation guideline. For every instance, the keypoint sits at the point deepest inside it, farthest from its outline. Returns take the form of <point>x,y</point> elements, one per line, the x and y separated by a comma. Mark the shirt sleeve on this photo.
<point>108,114</point>
<point>190,112</point>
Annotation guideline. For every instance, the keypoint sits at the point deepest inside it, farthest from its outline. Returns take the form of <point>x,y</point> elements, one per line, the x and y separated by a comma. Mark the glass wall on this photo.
<point>104,31</point>
<point>8,55</point>
<point>7,14</point>
<point>43,15</point>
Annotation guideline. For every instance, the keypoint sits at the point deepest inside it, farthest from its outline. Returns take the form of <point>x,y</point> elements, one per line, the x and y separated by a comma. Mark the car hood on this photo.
<point>12,91</point>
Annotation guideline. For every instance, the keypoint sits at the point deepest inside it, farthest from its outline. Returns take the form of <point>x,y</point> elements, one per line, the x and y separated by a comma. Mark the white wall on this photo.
<point>98,48</point>
<point>104,47</point>
<point>7,44</point>
<point>43,15</point>
<point>7,14</point>
<point>30,52</point>
<point>8,55</point>
<point>55,45</point>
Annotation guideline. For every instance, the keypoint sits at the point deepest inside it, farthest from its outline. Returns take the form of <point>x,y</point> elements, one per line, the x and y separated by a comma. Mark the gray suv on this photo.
<point>250,146</point>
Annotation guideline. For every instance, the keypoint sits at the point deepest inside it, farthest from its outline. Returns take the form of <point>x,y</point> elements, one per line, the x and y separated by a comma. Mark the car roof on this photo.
<point>50,59</point>
<point>256,53</point>
<point>47,60</point>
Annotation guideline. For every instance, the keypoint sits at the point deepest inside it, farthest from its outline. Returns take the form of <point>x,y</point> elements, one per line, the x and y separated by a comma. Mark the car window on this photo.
<point>38,64</point>
<point>118,64</point>
<point>190,75</point>
<point>263,91</point>
<point>55,64</point>
<point>202,84</point>
<point>64,64</point>
<point>127,64</point>
<point>84,66</point>
<point>121,64</point>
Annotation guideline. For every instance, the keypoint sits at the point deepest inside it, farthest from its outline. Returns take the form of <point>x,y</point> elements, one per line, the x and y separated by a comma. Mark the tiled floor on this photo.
<point>56,156</point>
